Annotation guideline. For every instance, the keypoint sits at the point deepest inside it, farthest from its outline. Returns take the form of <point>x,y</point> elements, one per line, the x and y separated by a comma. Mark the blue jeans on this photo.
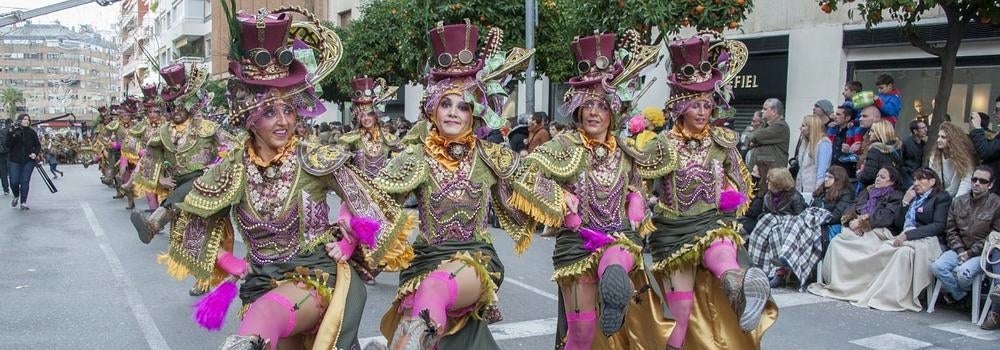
<point>955,277</point>
<point>20,177</point>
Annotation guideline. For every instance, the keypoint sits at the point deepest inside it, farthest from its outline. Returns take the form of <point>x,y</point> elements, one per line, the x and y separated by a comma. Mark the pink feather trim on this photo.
<point>729,200</point>
<point>231,264</point>
<point>572,221</point>
<point>365,230</point>
<point>636,207</point>
<point>210,312</point>
<point>594,239</point>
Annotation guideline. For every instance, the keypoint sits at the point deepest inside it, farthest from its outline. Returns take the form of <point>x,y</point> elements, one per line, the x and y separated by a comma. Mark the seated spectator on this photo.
<point>749,219</point>
<point>970,219</point>
<point>883,271</point>
<point>882,150</point>
<point>836,196</point>
<point>874,210</point>
<point>787,234</point>
<point>814,152</point>
<point>953,159</point>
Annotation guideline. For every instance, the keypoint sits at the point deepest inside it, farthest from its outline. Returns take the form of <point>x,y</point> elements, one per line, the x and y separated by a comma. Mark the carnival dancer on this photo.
<point>128,148</point>
<point>448,294</point>
<point>370,144</point>
<point>299,289</point>
<point>586,185</point>
<point>695,229</point>
<point>108,147</point>
<point>143,132</point>
<point>181,150</point>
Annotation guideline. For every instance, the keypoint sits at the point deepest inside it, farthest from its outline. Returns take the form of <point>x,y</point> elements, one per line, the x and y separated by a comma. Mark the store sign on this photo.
<point>764,76</point>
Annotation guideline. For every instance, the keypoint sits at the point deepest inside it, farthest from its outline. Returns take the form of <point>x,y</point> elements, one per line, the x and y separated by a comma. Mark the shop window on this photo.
<point>974,90</point>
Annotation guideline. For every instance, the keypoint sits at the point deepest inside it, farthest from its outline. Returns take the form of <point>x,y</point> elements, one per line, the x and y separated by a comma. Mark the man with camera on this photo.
<point>23,149</point>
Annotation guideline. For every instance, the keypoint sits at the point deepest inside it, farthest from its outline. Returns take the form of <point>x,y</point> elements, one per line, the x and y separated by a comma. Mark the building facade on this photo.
<point>134,33</point>
<point>182,32</point>
<point>59,70</point>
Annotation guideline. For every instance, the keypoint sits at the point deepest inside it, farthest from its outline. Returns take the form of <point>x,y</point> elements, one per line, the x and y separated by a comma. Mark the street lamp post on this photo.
<point>530,18</point>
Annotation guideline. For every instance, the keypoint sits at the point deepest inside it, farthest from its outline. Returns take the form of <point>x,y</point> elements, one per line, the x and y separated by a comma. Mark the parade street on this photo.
<point>73,275</point>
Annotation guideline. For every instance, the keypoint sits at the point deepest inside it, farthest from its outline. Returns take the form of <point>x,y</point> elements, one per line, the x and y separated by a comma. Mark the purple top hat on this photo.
<point>691,66</point>
<point>363,90</point>
<point>595,59</point>
<point>149,94</point>
<point>454,47</point>
<point>130,106</point>
<point>175,77</point>
<point>267,56</point>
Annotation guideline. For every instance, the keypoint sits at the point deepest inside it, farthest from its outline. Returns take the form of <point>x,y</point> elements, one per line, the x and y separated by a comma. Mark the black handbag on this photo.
<point>793,163</point>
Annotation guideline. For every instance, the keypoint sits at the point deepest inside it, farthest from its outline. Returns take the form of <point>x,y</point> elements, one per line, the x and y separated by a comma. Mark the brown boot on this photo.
<point>147,227</point>
<point>992,321</point>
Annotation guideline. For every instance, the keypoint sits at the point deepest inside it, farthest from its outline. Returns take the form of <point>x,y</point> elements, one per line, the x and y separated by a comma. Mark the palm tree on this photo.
<point>9,99</point>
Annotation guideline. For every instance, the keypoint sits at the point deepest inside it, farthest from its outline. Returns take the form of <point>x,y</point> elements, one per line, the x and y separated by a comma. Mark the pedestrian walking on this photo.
<point>24,147</point>
<point>5,125</point>
<point>53,162</point>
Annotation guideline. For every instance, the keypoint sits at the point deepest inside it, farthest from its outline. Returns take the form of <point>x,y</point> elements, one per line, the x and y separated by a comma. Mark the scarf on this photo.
<point>591,144</point>
<point>875,194</point>
<point>279,157</point>
<point>437,147</point>
<point>911,213</point>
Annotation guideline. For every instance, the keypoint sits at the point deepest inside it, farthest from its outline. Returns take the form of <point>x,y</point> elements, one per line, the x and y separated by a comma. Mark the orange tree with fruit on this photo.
<point>561,20</point>
<point>389,40</point>
<point>959,13</point>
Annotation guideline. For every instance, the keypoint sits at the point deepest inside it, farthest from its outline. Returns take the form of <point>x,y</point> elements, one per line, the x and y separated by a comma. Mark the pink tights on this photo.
<point>615,255</point>
<point>580,328</point>
<point>436,294</point>
<point>271,317</point>
<point>152,201</point>
<point>720,257</point>
<point>680,304</point>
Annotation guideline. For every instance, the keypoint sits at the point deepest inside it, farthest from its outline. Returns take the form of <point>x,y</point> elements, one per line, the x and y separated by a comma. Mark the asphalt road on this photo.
<point>73,275</point>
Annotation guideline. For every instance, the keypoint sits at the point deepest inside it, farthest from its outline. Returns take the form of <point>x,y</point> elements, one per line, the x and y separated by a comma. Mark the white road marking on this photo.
<point>968,329</point>
<point>890,341</point>
<point>796,299</point>
<point>152,334</point>
<point>502,331</point>
<point>530,288</point>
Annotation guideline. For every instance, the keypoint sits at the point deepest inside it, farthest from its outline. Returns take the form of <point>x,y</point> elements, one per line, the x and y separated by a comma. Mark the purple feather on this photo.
<point>729,200</point>
<point>211,310</point>
<point>594,239</point>
<point>365,230</point>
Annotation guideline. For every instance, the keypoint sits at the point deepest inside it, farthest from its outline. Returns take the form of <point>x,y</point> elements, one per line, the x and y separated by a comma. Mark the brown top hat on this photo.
<point>175,78</point>
<point>267,56</point>
<point>454,47</point>
<point>595,59</point>
<point>691,65</point>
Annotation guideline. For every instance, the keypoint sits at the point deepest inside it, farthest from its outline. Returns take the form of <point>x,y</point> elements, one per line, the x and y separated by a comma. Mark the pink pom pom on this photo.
<point>572,221</point>
<point>594,239</point>
<point>211,310</point>
<point>116,146</point>
<point>729,200</point>
<point>636,207</point>
<point>365,230</point>
<point>231,264</point>
<point>637,124</point>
